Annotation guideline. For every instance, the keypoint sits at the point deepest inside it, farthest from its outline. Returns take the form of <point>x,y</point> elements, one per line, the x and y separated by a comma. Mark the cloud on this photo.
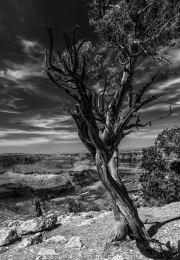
<point>31,48</point>
<point>160,87</point>
<point>58,134</point>
<point>9,112</point>
<point>173,53</point>
<point>9,104</point>
<point>17,72</point>
<point>47,122</point>
<point>145,134</point>
<point>175,115</point>
<point>160,107</point>
<point>23,142</point>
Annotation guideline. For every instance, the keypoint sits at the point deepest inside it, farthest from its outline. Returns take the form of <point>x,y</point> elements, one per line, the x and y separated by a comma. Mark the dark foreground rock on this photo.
<point>32,240</point>
<point>8,235</point>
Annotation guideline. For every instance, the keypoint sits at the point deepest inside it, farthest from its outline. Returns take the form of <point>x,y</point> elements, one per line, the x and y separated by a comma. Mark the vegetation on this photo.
<point>131,31</point>
<point>78,205</point>
<point>161,181</point>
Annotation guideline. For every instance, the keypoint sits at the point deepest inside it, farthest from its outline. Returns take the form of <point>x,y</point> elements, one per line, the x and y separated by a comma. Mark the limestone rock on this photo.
<point>31,240</point>
<point>66,220</point>
<point>74,242</point>
<point>87,222</point>
<point>7,235</point>
<point>102,215</point>
<point>36,224</point>
<point>87,215</point>
<point>56,239</point>
<point>46,251</point>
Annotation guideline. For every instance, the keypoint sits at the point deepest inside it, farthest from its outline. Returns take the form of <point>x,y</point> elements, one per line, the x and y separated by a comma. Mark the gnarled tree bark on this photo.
<point>120,196</point>
<point>121,228</point>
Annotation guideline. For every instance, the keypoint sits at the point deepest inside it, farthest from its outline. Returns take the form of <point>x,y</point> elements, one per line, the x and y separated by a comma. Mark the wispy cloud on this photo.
<point>159,107</point>
<point>47,122</point>
<point>23,142</point>
<point>15,71</point>
<point>160,87</point>
<point>144,134</point>
<point>10,112</point>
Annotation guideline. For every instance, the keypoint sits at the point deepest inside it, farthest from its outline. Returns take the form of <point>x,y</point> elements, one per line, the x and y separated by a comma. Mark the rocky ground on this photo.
<point>82,236</point>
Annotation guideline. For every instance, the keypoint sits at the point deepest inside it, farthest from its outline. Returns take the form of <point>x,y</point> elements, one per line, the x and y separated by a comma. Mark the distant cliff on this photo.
<point>55,174</point>
<point>11,159</point>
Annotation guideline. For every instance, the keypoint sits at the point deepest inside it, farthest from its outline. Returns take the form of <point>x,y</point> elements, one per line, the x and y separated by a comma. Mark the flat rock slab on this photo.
<point>7,235</point>
<point>36,224</point>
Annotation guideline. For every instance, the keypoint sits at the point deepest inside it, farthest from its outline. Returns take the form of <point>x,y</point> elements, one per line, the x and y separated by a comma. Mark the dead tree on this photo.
<point>130,30</point>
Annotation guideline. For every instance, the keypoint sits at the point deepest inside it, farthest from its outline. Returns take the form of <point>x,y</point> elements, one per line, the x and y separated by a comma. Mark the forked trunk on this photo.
<point>120,196</point>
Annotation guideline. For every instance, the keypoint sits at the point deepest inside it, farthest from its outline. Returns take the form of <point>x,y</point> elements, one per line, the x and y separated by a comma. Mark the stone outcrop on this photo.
<point>36,224</point>
<point>11,159</point>
<point>72,172</point>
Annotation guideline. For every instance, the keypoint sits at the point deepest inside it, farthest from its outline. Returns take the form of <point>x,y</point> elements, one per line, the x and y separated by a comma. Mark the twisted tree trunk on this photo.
<point>125,213</point>
<point>121,228</point>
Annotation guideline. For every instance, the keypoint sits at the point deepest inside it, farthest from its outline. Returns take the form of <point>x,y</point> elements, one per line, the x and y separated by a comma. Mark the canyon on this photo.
<point>57,177</point>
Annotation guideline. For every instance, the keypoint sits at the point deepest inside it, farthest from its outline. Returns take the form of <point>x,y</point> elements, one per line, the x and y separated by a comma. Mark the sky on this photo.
<point>30,118</point>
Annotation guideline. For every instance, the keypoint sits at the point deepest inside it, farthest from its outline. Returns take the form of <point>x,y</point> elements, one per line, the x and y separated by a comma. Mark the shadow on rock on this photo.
<point>156,249</point>
<point>154,228</point>
<point>54,227</point>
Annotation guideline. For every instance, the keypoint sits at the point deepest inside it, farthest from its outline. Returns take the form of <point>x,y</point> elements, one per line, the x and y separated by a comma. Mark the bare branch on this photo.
<point>142,90</point>
<point>63,88</point>
<point>127,133</point>
<point>51,44</point>
<point>149,122</point>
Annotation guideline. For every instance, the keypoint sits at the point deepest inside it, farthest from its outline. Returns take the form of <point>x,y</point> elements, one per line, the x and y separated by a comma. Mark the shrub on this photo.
<point>160,183</point>
<point>152,159</point>
<point>160,188</point>
<point>175,167</point>
<point>77,205</point>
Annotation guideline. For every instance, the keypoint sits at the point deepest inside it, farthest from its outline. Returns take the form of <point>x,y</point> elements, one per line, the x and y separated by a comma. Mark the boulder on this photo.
<point>74,242</point>
<point>36,224</point>
<point>32,240</point>
<point>46,251</point>
<point>7,235</point>
<point>56,239</point>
